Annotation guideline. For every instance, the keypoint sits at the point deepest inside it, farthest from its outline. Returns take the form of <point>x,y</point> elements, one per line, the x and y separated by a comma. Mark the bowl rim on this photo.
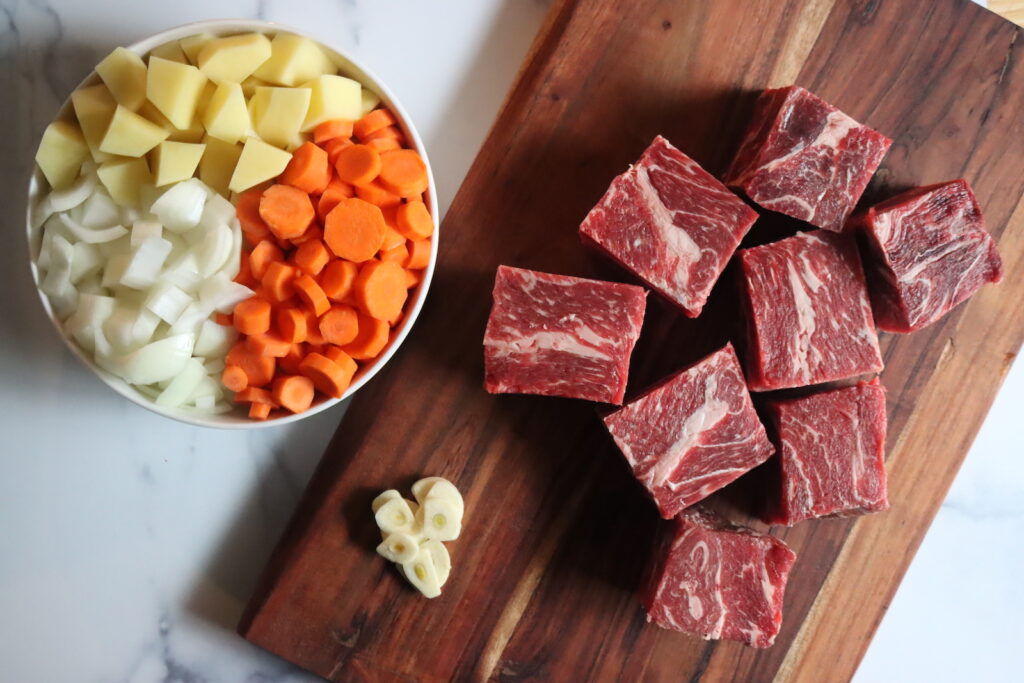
<point>350,67</point>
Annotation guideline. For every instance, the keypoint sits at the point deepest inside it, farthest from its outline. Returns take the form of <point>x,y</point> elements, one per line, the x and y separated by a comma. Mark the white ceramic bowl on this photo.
<point>347,66</point>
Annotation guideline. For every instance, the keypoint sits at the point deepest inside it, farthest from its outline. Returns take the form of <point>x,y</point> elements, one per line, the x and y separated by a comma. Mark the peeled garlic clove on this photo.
<point>399,547</point>
<point>395,515</point>
<point>390,494</point>
<point>446,489</point>
<point>421,488</point>
<point>441,559</point>
<point>421,574</point>
<point>441,519</point>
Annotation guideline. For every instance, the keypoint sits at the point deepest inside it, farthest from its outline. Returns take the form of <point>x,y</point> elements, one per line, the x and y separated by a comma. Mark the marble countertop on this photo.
<point>129,543</point>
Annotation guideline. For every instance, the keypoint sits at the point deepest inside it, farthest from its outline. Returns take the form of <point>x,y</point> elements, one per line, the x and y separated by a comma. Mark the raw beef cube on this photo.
<point>831,454</point>
<point>804,158</point>
<point>561,336</point>
<point>670,223</point>
<point>808,316</point>
<point>715,580</point>
<point>692,433</point>
<point>930,253</point>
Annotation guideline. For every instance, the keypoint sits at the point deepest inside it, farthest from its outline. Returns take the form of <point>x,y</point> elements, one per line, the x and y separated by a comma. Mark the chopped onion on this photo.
<point>145,262</point>
<point>167,301</point>
<point>182,385</point>
<point>184,273</point>
<point>99,211</point>
<point>191,318</point>
<point>84,234</point>
<point>129,327</point>
<point>114,270</point>
<point>222,294</point>
<point>180,208</point>
<point>85,261</point>
<point>69,198</point>
<point>89,317</point>
<point>214,341</point>
<point>143,229</point>
<point>214,250</point>
<point>157,361</point>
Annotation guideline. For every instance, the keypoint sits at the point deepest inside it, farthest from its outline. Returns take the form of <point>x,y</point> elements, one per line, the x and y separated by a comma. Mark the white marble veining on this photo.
<point>129,543</point>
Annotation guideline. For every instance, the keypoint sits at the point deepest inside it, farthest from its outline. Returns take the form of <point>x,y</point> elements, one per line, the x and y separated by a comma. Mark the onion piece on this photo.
<point>180,208</point>
<point>214,341</point>
<point>214,250</point>
<point>85,261</point>
<point>183,384</point>
<point>145,262</point>
<point>84,234</point>
<point>157,361</point>
<point>70,197</point>
<point>99,211</point>
<point>143,229</point>
<point>167,301</point>
<point>222,294</point>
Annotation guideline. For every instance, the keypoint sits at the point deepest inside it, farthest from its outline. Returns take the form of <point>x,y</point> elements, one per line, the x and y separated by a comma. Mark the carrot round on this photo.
<point>261,256</point>
<point>372,122</point>
<point>385,133</point>
<point>252,316</point>
<point>329,130</point>
<point>380,289</point>
<point>310,292</point>
<point>313,232</point>
<point>371,340</point>
<point>255,395</point>
<point>245,276</point>
<point>354,230</point>
<point>403,172</point>
<point>268,345</point>
<point>335,192</point>
<point>308,170</point>
<point>384,144</point>
<point>248,211</point>
<point>294,393</point>
<point>335,353</point>
<point>234,378</point>
<point>291,325</point>
<point>413,220</point>
<point>290,362</point>
<point>339,325</point>
<point>259,369</point>
<point>311,257</point>
<point>419,254</point>
<point>333,149</point>
<point>375,193</point>
<point>412,278</point>
<point>326,375</point>
<point>399,254</point>
<point>286,210</point>
<point>337,279</point>
<point>223,319</point>
<point>278,281</point>
<point>259,411</point>
<point>357,164</point>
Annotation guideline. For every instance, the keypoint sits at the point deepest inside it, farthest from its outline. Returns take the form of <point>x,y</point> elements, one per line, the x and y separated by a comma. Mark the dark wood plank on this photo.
<point>557,532</point>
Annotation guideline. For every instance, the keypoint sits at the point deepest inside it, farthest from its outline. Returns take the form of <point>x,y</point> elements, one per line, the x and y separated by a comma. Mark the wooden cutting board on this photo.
<point>557,532</point>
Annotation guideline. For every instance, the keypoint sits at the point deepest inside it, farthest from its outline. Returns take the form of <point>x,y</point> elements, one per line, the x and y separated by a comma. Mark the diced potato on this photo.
<point>175,89</point>
<point>171,51</point>
<point>226,116</point>
<point>294,60</point>
<point>131,135</point>
<point>193,45</point>
<point>61,153</point>
<point>370,102</point>
<point>171,162</point>
<point>233,58</point>
<point>218,163</point>
<point>250,84</point>
<point>258,162</point>
<point>123,178</point>
<point>94,107</point>
<point>278,113</point>
<point>332,97</point>
<point>124,73</point>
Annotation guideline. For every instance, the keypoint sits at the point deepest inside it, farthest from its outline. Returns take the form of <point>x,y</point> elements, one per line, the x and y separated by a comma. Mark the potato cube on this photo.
<point>171,51</point>
<point>277,114</point>
<point>61,153</point>
<point>124,73</point>
<point>218,163</point>
<point>175,90</point>
<point>131,135</point>
<point>226,116</point>
<point>171,162</point>
<point>233,58</point>
<point>332,97</point>
<point>250,84</point>
<point>294,60</point>
<point>193,45</point>
<point>370,100</point>
<point>94,107</point>
<point>258,162</point>
<point>123,178</point>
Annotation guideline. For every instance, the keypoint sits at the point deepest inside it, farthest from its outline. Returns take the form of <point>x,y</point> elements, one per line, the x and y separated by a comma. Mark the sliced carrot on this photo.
<point>311,257</point>
<point>255,395</point>
<point>419,254</point>
<point>313,336</point>
<point>384,144</point>
<point>290,362</point>
<point>286,210</point>
<point>268,345</point>
<point>413,220</point>
<point>392,238</point>
<point>278,281</point>
<point>354,230</point>
<point>291,325</point>
<point>399,254</point>
<point>310,292</point>
<point>335,192</point>
<point>335,354</point>
<point>315,348</point>
<point>326,375</point>
<point>308,170</point>
<point>403,172</point>
<point>412,278</point>
<point>252,316</point>
<point>357,164</point>
<point>223,319</point>
<point>259,369</point>
<point>329,130</point>
<point>334,148</point>
<point>248,211</point>
<point>339,325</point>
<point>259,411</point>
<point>337,279</point>
<point>380,289</point>
<point>372,122</point>
<point>375,193</point>
<point>385,133</point>
<point>234,378</point>
<point>261,256</point>
<point>313,232</point>
<point>294,393</point>
<point>244,276</point>
<point>371,340</point>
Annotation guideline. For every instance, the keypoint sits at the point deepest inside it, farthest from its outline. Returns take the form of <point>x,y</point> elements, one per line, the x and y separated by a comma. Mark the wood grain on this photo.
<point>557,531</point>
